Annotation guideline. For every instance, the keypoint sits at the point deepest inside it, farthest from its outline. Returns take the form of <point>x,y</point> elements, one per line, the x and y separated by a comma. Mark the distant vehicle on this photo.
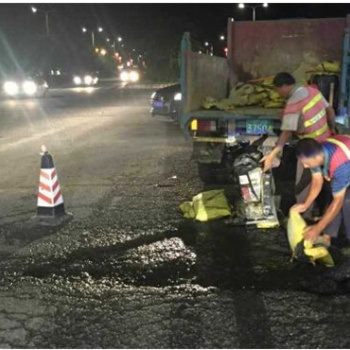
<point>130,75</point>
<point>58,77</point>
<point>167,101</point>
<point>22,85</point>
<point>85,79</point>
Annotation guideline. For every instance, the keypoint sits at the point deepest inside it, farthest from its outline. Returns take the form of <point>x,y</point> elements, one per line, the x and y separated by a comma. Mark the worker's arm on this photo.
<point>331,118</point>
<point>315,189</point>
<point>312,232</point>
<point>282,140</point>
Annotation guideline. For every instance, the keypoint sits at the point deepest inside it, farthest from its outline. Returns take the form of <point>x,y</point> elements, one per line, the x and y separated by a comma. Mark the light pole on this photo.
<point>242,6</point>
<point>100,29</point>
<point>35,10</point>
<point>119,39</point>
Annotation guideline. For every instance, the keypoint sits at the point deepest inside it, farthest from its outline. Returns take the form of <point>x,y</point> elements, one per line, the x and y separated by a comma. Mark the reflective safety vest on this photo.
<point>340,155</point>
<point>314,116</point>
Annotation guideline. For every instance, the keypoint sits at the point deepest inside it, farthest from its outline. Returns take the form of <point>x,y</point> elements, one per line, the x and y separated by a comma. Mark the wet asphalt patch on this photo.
<point>223,258</point>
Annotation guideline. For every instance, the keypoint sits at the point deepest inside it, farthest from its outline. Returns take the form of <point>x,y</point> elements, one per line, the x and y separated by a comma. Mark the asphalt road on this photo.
<point>129,271</point>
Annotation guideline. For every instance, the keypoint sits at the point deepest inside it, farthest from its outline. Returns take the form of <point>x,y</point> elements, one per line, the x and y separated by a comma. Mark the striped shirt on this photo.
<point>336,165</point>
<point>294,121</point>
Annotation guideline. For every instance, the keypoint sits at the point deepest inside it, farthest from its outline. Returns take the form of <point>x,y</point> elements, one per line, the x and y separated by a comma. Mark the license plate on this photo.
<point>158,104</point>
<point>258,127</point>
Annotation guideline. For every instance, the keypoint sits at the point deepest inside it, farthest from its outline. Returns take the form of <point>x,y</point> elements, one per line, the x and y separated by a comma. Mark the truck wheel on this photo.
<point>206,173</point>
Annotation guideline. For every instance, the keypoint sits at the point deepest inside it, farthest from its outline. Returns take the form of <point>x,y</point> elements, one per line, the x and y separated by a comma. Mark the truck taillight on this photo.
<point>203,125</point>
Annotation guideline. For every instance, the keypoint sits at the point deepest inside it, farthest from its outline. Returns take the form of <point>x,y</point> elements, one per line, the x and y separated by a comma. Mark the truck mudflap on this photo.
<point>208,152</point>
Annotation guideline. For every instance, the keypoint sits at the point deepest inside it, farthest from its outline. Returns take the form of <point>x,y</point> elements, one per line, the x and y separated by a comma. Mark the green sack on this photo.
<point>207,206</point>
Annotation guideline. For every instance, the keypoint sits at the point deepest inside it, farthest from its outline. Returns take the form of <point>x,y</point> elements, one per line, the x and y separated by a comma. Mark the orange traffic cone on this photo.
<point>50,208</point>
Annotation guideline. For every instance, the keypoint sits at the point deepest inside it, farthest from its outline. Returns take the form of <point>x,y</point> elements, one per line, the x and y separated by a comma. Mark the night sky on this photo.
<point>145,27</point>
<point>137,20</point>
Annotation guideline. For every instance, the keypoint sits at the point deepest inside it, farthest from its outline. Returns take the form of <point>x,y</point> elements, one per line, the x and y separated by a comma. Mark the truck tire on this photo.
<point>206,173</point>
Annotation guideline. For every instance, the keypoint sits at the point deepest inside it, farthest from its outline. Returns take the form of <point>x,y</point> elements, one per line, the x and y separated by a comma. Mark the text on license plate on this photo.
<point>258,127</point>
<point>158,104</point>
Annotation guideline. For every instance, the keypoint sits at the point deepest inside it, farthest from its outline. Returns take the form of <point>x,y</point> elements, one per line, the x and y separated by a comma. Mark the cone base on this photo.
<point>52,216</point>
<point>53,212</point>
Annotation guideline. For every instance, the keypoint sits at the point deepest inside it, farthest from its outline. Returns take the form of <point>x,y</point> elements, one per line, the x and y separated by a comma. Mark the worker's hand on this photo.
<point>300,208</point>
<point>268,162</point>
<point>311,233</point>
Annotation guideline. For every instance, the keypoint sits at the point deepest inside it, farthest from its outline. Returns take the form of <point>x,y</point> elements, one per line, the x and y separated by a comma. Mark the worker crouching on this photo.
<point>328,161</point>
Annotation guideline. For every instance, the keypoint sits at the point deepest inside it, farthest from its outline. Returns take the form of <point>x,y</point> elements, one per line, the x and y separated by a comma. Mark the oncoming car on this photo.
<point>87,79</point>
<point>167,101</point>
<point>25,86</point>
<point>130,75</point>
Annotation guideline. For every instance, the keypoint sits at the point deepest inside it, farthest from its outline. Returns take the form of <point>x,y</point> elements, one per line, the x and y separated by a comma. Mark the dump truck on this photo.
<point>255,49</point>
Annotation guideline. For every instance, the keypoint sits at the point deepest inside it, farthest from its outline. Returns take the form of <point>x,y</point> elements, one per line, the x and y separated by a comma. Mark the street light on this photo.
<point>84,30</point>
<point>242,6</point>
<point>222,37</point>
<point>35,10</point>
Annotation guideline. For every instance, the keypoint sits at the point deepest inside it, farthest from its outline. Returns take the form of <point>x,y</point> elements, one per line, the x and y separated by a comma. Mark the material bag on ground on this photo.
<point>207,206</point>
<point>305,250</point>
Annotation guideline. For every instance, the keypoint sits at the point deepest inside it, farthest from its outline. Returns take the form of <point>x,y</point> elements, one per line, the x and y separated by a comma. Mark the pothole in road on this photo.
<point>205,254</point>
<point>156,260</point>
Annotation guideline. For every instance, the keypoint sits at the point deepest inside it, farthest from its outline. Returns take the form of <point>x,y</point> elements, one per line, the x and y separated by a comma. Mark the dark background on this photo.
<point>151,30</point>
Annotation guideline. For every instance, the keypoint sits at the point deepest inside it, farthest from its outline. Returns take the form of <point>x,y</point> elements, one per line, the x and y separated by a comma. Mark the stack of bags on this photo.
<point>261,93</point>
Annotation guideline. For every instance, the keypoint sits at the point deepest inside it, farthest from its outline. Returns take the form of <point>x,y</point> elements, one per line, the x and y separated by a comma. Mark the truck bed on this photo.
<point>238,112</point>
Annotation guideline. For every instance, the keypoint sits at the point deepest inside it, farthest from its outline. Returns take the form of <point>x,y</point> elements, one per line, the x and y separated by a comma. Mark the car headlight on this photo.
<point>29,87</point>
<point>177,97</point>
<point>95,80</point>
<point>88,79</point>
<point>77,80</point>
<point>11,88</point>
<point>134,76</point>
<point>124,76</point>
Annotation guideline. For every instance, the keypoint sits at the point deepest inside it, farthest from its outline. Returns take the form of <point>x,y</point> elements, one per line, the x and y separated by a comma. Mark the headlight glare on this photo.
<point>29,87</point>
<point>177,96</point>
<point>77,80</point>
<point>88,79</point>
<point>11,88</point>
<point>124,76</point>
<point>134,76</point>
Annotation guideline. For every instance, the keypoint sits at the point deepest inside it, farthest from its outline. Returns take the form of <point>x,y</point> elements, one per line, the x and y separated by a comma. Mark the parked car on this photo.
<point>167,101</point>
<point>24,85</point>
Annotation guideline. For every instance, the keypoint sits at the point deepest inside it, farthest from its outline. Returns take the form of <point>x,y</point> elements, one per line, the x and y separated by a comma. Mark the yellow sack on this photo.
<point>257,98</point>
<point>313,252</point>
<point>273,104</point>
<point>329,67</point>
<point>208,102</point>
<point>207,206</point>
<point>274,95</point>
<point>224,104</point>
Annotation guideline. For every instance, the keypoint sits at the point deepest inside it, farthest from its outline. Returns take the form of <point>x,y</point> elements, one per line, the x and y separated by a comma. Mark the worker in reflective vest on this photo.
<point>307,114</point>
<point>328,160</point>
